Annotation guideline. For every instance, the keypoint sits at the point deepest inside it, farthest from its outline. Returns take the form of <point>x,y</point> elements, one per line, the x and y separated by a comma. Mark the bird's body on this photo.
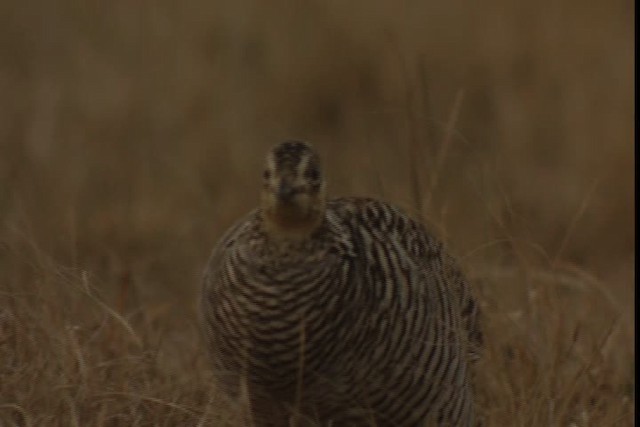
<point>356,315</point>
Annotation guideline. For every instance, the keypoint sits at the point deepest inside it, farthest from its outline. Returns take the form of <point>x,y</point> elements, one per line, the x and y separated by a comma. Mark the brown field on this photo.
<point>132,134</point>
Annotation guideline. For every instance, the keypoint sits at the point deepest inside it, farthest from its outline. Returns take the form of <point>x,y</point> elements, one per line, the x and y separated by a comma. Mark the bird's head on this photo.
<point>293,190</point>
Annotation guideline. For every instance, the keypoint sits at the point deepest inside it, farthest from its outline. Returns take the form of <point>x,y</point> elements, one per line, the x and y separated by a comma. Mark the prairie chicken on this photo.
<point>343,312</point>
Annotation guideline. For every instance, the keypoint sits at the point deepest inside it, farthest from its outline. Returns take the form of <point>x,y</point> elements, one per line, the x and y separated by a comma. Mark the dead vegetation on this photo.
<point>130,137</point>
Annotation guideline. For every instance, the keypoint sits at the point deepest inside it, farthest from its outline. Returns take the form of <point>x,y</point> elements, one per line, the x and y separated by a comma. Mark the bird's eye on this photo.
<point>312,173</point>
<point>266,174</point>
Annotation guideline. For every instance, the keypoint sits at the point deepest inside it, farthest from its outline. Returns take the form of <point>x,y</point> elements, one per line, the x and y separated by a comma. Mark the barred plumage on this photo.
<point>344,311</point>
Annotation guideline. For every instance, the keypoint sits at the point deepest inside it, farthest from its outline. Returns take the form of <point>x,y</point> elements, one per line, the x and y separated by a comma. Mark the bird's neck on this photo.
<point>282,224</point>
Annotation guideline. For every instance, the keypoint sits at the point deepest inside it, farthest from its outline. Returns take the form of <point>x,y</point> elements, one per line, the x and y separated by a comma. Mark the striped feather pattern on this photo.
<point>366,321</point>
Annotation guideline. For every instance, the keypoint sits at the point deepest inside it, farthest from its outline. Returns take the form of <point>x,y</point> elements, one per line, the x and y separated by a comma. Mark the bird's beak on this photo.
<point>285,192</point>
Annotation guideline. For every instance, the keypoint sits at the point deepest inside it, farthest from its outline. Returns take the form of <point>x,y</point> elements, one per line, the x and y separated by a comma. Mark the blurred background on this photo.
<point>136,124</point>
<point>132,134</point>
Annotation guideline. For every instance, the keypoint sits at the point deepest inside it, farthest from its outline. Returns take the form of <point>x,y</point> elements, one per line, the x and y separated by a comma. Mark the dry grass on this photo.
<point>130,137</point>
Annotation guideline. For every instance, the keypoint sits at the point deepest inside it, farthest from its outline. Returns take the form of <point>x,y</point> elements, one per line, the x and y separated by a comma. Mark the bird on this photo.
<point>341,311</point>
